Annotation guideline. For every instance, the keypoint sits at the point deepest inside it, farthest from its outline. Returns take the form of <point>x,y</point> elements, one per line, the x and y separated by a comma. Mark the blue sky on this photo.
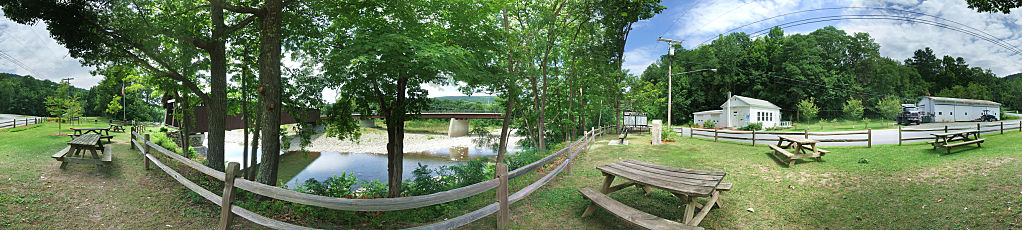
<point>693,21</point>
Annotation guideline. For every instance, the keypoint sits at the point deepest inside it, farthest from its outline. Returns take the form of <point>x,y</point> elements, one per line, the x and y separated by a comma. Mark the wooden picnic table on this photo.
<point>116,128</point>
<point>75,152</point>
<point>103,132</point>
<point>802,147</point>
<point>951,140</point>
<point>686,184</point>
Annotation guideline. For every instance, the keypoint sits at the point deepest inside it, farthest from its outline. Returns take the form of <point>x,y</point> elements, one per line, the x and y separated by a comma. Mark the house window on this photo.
<point>940,113</point>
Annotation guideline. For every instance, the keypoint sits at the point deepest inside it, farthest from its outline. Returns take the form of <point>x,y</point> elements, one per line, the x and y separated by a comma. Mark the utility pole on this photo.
<point>670,83</point>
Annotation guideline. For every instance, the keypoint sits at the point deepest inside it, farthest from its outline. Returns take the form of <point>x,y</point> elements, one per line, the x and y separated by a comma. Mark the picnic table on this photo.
<point>955,139</point>
<point>75,151</point>
<point>103,132</point>
<point>686,184</point>
<point>116,128</point>
<point>801,146</point>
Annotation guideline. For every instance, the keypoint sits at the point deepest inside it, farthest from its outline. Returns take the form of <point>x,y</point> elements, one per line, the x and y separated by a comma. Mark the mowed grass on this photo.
<point>35,193</point>
<point>841,125</point>
<point>910,186</point>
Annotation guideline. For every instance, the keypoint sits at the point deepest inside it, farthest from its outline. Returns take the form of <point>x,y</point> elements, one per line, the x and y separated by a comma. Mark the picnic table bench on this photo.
<point>103,132</point>
<point>802,147</point>
<point>951,140</point>
<point>75,151</point>
<point>686,184</point>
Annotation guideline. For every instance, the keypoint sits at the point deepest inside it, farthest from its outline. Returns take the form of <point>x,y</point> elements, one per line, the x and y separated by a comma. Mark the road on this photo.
<point>882,136</point>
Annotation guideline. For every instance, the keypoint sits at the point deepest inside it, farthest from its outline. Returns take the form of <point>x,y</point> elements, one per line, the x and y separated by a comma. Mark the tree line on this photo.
<point>26,95</point>
<point>832,67</point>
<point>556,65</point>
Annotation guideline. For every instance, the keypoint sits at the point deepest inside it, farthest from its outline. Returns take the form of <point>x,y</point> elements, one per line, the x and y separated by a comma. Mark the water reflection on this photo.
<point>296,167</point>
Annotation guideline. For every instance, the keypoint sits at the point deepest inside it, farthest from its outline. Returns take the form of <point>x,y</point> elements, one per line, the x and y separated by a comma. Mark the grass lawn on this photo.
<point>908,186</point>
<point>35,193</point>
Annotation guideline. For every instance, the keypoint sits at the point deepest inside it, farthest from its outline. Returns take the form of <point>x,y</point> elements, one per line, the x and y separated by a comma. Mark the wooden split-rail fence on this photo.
<point>715,134</point>
<point>232,181</point>
<point>21,122</point>
<point>998,127</point>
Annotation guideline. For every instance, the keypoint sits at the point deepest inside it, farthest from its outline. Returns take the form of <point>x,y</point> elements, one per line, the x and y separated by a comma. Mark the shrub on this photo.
<point>335,186</point>
<point>709,124</point>
<point>522,158</point>
<point>163,129</point>
<point>668,134</point>
<point>373,189</point>
<point>753,126</point>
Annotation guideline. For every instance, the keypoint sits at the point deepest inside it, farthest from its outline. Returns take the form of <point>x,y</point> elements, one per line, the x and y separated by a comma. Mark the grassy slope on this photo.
<point>907,186</point>
<point>35,193</point>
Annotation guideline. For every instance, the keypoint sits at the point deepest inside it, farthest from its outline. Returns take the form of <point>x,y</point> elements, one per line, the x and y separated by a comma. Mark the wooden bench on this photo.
<point>60,154</point>
<point>624,134</point>
<point>944,140</point>
<point>629,214</point>
<point>787,155</point>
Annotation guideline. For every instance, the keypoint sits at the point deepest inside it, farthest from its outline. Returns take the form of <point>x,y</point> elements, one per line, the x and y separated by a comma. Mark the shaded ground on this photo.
<point>908,186</point>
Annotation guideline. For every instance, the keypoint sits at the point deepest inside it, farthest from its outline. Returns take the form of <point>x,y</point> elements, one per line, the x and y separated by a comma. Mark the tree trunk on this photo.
<point>217,103</point>
<point>269,79</point>
<point>244,117</point>
<point>504,128</point>
<point>395,140</point>
<point>185,123</point>
<point>255,142</point>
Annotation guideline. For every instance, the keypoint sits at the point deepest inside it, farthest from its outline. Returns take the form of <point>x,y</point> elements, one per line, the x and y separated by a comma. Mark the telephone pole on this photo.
<point>670,83</point>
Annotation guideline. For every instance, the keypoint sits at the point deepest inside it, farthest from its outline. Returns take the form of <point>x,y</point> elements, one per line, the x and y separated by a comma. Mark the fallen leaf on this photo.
<point>750,210</point>
<point>939,200</point>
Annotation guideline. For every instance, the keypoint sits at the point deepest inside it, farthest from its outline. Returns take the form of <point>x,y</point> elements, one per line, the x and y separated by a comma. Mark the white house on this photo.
<point>742,111</point>
<point>946,109</point>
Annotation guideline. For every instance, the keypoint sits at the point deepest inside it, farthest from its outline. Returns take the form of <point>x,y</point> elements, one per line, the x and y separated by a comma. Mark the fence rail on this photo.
<point>716,135</point>
<point>1001,127</point>
<point>231,181</point>
<point>23,122</point>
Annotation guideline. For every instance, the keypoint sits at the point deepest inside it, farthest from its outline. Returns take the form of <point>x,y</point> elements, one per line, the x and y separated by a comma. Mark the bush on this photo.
<point>522,158</point>
<point>335,186</point>
<point>709,124</point>
<point>753,126</point>
<point>668,134</point>
<point>428,181</point>
<point>163,129</point>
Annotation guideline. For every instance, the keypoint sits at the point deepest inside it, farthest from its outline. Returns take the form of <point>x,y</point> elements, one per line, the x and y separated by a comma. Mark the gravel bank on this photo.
<point>376,142</point>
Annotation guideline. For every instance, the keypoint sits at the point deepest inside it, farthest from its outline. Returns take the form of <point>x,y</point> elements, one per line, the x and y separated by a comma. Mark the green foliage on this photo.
<point>114,107</point>
<point>853,109</point>
<point>450,105</point>
<point>807,109</point>
<point>752,126</point>
<point>428,181</point>
<point>522,158</point>
<point>24,94</point>
<point>889,107</point>
<point>64,104</point>
<point>709,124</point>
<point>335,186</point>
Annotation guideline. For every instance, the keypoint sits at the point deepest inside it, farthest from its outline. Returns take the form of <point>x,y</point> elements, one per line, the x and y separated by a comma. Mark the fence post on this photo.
<point>503,212</point>
<point>691,132</point>
<point>807,133</point>
<point>714,135</point>
<point>15,122</point>
<point>228,197</point>
<point>945,129</point>
<point>899,135</point>
<point>1002,127</point>
<point>978,130</point>
<point>869,138</point>
<point>147,148</point>
<point>131,137</point>
<point>753,137</point>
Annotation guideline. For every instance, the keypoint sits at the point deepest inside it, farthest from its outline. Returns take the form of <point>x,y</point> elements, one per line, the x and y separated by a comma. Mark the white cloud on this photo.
<point>636,60</point>
<point>43,56</point>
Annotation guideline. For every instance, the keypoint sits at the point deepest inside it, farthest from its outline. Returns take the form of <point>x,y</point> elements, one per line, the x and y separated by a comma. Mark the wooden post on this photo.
<point>753,137</point>
<point>1002,127</point>
<point>807,133</point>
<point>228,197</point>
<point>978,130</point>
<point>131,137</point>
<point>147,148</point>
<point>503,212</point>
<point>15,122</point>
<point>869,138</point>
<point>945,129</point>
<point>691,132</point>
<point>899,134</point>
<point>714,135</point>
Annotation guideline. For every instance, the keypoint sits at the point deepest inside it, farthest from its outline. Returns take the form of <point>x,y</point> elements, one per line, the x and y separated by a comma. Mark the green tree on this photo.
<point>807,109</point>
<point>1003,6</point>
<point>114,106</point>
<point>852,110</point>
<point>889,107</point>
<point>64,104</point>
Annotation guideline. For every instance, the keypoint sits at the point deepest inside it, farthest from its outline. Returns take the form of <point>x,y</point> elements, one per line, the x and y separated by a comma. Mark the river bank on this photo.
<point>374,140</point>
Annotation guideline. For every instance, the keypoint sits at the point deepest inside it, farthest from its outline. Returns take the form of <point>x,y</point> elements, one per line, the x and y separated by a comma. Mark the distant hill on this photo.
<point>1013,76</point>
<point>480,99</point>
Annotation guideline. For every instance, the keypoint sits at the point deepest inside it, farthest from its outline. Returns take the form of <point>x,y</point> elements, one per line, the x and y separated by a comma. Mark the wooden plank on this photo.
<point>661,182</point>
<point>782,151</point>
<point>61,153</point>
<point>107,156</point>
<point>724,186</point>
<point>965,143</point>
<point>673,169</point>
<point>700,134</point>
<point>380,204</point>
<point>706,209</point>
<point>837,133</point>
<point>798,139</point>
<point>190,163</point>
<point>460,220</point>
<point>843,140</point>
<point>693,176</point>
<point>629,214</point>
<point>79,160</point>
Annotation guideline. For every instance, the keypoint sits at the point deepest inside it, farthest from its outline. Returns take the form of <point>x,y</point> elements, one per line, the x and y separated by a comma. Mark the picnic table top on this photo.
<point>798,139</point>
<point>698,183</point>
<point>954,133</point>
<point>90,128</point>
<point>87,139</point>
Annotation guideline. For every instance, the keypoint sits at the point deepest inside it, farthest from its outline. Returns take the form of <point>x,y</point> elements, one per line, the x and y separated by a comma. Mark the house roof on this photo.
<point>709,112</point>
<point>753,102</point>
<point>974,101</point>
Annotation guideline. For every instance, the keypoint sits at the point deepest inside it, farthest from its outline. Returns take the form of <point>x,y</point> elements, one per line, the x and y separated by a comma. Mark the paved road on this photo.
<point>883,136</point>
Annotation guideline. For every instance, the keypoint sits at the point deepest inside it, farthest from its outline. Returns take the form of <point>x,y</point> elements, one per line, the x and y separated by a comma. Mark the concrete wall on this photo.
<point>457,128</point>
